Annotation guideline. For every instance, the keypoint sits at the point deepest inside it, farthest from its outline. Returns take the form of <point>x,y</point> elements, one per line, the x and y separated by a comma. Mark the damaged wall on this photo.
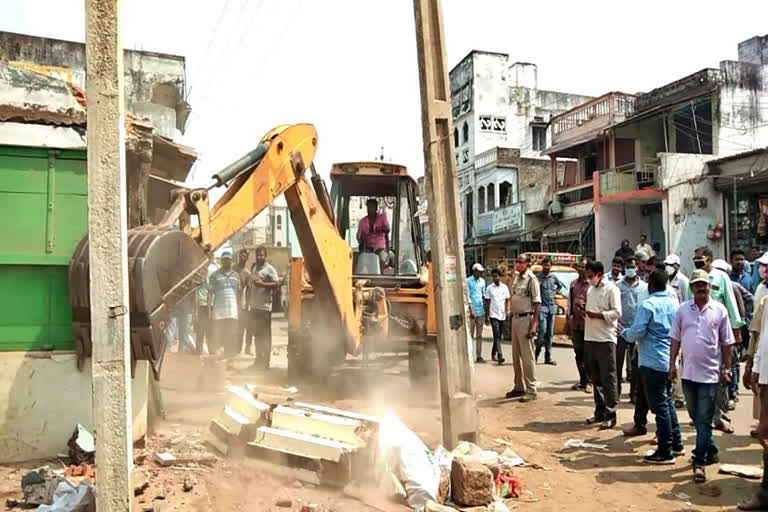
<point>154,82</point>
<point>743,108</point>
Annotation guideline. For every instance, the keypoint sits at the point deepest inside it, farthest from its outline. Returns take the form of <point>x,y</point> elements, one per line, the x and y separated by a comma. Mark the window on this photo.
<point>279,222</point>
<point>465,133</point>
<point>506,194</point>
<point>468,213</point>
<point>491,196</point>
<point>539,138</point>
<point>481,200</point>
<point>456,137</point>
<point>693,128</point>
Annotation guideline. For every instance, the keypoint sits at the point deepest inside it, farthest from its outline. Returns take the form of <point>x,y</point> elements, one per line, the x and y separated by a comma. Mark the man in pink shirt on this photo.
<point>702,333</point>
<point>373,229</point>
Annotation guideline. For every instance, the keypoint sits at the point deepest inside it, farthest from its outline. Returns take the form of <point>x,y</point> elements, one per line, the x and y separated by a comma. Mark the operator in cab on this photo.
<point>373,232</point>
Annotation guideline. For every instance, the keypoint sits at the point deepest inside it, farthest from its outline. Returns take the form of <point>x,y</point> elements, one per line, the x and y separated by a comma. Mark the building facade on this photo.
<point>638,165</point>
<point>501,122</point>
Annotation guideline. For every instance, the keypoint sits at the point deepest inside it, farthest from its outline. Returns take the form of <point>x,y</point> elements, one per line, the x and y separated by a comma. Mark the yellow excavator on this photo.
<point>341,301</point>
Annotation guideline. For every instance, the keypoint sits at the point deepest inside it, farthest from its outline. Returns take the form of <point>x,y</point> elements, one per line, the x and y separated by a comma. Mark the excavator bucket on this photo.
<point>165,265</point>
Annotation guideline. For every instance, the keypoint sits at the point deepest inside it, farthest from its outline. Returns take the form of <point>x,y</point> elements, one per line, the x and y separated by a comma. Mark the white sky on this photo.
<point>349,66</point>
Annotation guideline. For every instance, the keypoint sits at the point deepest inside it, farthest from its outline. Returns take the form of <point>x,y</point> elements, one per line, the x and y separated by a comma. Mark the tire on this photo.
<point>423,366</point>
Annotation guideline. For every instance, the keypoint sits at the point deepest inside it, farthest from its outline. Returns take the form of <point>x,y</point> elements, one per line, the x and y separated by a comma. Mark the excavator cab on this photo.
<point>388,186</point>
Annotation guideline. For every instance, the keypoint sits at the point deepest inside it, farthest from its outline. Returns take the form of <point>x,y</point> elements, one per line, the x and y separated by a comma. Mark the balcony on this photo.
<point>583,122</point>
<point>501,220</point>
<point>620,183</point>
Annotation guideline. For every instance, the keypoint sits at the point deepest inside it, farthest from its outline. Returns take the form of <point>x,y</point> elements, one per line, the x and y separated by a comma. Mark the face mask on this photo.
<point>594,281</point>
<point>670,270</point>
<point>630,272</point>
<point>699,263</point>
<point>521,267</point>
<point>763,271</point>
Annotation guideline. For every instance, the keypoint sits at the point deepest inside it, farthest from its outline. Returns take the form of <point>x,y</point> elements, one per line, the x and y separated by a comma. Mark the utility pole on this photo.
<point>108,258</point>
<point>459,412</point>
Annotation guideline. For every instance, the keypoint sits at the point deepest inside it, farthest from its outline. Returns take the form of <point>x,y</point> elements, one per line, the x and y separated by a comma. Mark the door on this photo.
<point>656,229</point>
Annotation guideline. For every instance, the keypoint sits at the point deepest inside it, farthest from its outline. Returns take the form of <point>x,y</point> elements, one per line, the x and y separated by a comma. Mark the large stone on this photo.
<point>471,483</point>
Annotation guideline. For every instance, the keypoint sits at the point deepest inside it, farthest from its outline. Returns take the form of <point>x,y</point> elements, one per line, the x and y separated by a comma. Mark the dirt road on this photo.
<point>561,478</point>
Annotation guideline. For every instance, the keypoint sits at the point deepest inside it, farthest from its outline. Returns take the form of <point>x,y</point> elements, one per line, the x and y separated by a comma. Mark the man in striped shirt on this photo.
<point>223,299</point>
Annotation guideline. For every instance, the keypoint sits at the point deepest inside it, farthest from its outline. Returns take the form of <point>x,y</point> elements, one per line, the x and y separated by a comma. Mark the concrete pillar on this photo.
<point>108,257</point>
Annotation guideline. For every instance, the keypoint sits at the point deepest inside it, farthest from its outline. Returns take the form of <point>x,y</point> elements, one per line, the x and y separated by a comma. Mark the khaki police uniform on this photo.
<point>525,294</point>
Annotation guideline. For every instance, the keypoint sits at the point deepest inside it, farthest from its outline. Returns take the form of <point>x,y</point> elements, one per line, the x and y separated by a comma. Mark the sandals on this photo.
<point>699,476</point>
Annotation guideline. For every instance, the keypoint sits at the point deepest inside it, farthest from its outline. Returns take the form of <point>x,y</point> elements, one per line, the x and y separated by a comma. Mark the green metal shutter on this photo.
<point>44,207</point>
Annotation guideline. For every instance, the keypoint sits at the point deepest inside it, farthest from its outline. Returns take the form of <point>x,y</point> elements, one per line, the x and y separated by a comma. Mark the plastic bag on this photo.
<point>415,465</point>
<point>68,498</point>
<point>470,452</point>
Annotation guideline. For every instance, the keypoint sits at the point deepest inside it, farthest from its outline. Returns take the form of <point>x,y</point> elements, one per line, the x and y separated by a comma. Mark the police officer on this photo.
<point>524,319</point>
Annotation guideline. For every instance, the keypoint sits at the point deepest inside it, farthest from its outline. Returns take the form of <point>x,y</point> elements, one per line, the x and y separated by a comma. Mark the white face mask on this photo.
<point>631,272</point>
<point>670,269</point>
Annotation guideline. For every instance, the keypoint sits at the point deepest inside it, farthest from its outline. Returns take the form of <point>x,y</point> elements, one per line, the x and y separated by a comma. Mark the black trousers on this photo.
<point>638,391</point>
<point>623,349</point>
<point>261,329</point>
<point>577,338</point>
<point>600,359</point>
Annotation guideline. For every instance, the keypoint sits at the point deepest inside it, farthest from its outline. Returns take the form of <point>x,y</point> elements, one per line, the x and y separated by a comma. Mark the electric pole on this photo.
<point>459,412</point>
<point>108,258</point>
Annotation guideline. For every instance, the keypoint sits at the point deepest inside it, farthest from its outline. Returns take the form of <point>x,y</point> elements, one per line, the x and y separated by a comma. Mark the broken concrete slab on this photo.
<point>304,445</point>
<point>240,400</point>
<point>219,438</point>
<point>165,459</point>
<point>318,424</point>
<point>471,483</point>
<point>82,446</point>
<point>237,424</point>
<point>40,485</point>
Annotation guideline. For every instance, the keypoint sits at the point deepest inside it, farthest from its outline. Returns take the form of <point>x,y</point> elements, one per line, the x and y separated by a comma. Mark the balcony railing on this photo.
<point>634,176</point>
<point>597,113</point>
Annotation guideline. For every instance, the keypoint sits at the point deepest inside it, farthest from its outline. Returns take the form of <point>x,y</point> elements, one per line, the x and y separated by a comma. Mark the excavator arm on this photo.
<point>167,264</point>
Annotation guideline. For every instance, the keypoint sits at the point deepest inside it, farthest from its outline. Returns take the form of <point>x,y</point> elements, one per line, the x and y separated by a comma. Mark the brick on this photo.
<point>471,483</point>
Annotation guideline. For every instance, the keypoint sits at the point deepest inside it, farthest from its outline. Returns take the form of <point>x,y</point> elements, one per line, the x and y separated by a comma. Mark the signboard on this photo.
<point>508,218</point>
<point>450,268</point>
<point>484,224</point>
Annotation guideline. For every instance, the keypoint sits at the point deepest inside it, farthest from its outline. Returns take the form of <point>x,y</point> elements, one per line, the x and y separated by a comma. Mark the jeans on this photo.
<point>577,337</point>
<point>733,388</point>
<point>601,363</point>
<point>546,331</point>
<point>700,399</point>
<point>497,326</point>
<point>658,389</point>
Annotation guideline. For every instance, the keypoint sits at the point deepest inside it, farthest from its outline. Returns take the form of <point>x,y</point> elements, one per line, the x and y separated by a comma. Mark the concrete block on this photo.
<point>218,437</point>
<point>301,444</point>
<point>337,412</point>
<point>239,399</point>
<point>471,483</point>
<point>238,425</point>
<point>318,424</point>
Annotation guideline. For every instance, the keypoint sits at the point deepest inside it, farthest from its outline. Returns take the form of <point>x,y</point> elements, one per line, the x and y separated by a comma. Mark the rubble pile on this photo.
<point>267,423</point>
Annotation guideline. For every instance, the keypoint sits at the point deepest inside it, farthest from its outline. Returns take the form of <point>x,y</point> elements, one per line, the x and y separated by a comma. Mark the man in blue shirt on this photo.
<point>650,330</point>
<point>475,291</point>
<point>549,285</point>
<point>739,273</point>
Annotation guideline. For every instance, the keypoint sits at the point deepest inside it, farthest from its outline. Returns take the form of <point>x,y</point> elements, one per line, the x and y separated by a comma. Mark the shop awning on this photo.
<point>507,236</point>
<point>567,227</point>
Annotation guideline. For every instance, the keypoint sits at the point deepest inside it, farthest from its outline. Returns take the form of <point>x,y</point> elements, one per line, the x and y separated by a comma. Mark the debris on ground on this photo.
<point>82,470</point>
<point>189,483</point>
<point>165,459</point>
<point>82,447</point>
<point>70,498</point>
<point>284,503</point>
<point>140,481</point>
<point>267,423</point>
<point>710,489</point>
<point>508,486</point>
<point>470,452</point>
<point>742,470</point>
<point>39,486</point>
<point>471,483</point>
<point>432,506</point>
<point>580,443</point>
<point>444,460</point>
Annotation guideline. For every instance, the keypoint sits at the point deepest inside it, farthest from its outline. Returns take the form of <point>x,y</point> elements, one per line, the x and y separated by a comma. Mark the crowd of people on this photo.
<point>233,310</point>
<point>680,339</point>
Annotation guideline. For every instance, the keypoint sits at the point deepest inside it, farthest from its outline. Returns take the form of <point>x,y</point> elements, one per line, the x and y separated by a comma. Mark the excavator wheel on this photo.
<point>164,266</point>
<point>423,367</point>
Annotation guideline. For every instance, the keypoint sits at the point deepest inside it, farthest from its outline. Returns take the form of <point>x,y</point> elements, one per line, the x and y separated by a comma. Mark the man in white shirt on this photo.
<point>677,280</point>
<point>644,246</point>
<point>759,385</point>
<point>602,314</point>
<point>496,298</point>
